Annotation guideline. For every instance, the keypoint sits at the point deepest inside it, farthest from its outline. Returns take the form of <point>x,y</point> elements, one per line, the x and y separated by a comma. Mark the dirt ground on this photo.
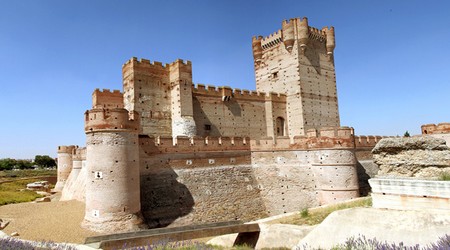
<point>57,221</point>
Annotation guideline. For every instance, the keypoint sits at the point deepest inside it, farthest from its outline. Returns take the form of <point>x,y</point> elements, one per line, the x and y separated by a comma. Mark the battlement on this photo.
<point>107,99</point>
<point>79,154</point>
<point>317,34</point>
<point>184,144</point>
<point>67,149</point>
<point>146,62</point>
<point>441,128</point>
<point>116,119</point>
<point>324,138</point>
<point>272,40</point>
<point>209,90</point>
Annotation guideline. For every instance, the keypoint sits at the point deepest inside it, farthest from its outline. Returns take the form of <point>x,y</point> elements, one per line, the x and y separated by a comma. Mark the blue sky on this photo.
<point>392,58</point>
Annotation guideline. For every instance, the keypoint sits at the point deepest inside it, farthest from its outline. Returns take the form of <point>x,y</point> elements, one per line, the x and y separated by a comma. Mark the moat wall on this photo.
<point>200,180</point>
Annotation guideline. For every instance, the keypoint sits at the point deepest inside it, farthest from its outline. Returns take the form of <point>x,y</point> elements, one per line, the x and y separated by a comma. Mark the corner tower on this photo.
<point>113,179</point>
<point>65,164</point>
<point>298,61</point>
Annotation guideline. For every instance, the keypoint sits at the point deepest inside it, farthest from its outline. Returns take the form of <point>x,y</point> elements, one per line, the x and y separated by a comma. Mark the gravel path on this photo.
<point>57,221</point>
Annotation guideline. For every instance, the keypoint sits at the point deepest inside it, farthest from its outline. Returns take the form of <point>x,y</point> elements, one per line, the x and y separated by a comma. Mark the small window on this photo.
<point>207,127</point>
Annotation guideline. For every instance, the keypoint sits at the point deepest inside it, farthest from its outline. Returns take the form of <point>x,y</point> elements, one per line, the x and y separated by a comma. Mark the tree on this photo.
<point>44,161</point>
<point>407,134</point>
<point>7,164</point>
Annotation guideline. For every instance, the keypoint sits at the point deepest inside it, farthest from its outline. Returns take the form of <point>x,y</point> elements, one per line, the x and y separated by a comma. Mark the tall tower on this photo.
<point>113,179</point>
<point>298,61</point>
<point>181,95</point>
<point>65,163</point>
<point>161,94</point>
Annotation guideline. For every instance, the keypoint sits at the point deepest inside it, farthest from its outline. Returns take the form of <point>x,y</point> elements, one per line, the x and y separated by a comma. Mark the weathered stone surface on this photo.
<point>271,236</point>
<point>410,227</point>
<point>3,224</point>
<point>423,157</point>
<point>395,145</point>
<point>44,199</point>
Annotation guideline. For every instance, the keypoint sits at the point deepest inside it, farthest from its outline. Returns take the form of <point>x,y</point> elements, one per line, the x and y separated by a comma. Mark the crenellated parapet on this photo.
<point>79,154</point>
<point>67,149</point>
<point>324,138</point>
<point>182,144</point>
<point>441,128</point>
<point>239,94</point>
<point>144,66</point>
<point>271,40</point>
<point>116,119</point>
<point>107,99</point>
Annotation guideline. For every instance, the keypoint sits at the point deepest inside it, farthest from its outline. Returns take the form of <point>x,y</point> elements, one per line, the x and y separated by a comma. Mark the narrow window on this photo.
<point>280,126</point>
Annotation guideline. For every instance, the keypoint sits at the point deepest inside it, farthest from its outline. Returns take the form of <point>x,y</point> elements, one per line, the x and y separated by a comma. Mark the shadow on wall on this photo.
<point>314,59</point>
<point>366,169</point>
<point>163,198</point>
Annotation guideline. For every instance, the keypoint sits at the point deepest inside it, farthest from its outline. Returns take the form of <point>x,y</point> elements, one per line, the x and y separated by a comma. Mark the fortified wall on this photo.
<point>167,152</point>
<point>441,130</point>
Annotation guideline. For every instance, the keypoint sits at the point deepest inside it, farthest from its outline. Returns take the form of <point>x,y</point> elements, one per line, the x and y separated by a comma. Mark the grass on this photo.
<point>317,215</point>
<point>11,174</point>
<point>15,192</point>
<point>444,177</point>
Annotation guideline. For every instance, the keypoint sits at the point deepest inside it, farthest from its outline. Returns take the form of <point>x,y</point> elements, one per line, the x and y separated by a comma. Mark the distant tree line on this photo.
<point>41,161</point>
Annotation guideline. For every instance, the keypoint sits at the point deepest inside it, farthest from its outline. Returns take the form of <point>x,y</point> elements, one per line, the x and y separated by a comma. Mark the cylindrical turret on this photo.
<point>113,179</point>
<point>288,34</point>
<point>65,163</point>
<point>70,187</point>
<point>335,174</point>
<point>257,49</point>
<point>303,32</point>
<point>331,44</point>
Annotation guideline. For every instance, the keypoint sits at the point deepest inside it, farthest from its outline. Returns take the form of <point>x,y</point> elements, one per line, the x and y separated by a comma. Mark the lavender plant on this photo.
<point>168,244</point>
<point>362,243</point>
<point>10,243</point>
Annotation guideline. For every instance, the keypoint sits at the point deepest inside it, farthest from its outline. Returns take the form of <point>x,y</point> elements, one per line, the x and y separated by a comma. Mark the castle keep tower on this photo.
<point>298,61</point>
<point>113,179</point>
<point>161,94</point>
<point>65,162</point>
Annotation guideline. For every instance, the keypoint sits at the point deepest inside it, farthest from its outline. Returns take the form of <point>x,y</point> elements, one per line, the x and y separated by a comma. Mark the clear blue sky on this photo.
<point>392,58</point>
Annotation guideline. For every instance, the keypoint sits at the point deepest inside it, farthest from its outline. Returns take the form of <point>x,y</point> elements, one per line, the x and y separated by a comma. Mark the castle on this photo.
<point>166,152</point>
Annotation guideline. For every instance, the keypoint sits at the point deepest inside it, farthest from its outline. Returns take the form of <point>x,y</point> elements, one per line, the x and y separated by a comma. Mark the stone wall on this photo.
<point>225,112</point>
<point>192,182</point>
<point>423,157</point>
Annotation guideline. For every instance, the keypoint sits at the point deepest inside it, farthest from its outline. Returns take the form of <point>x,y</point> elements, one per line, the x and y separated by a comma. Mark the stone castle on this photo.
<point>166,152</point>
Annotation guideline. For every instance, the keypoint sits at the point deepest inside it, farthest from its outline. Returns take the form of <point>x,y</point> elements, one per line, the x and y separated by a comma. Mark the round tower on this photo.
<point>303,32</point>
<point>113,180</point>
<point>257,49</point>
<point>334,167</point>
<point>65,163</point>
<point>288,34</point>
<point>330,43</point>
<point>76,162</point>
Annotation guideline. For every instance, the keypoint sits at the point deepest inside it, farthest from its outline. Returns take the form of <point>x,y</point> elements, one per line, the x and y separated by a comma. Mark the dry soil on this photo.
<point>57,221</point>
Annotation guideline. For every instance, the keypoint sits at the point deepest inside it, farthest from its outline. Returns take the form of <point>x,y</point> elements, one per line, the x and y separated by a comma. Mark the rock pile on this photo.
<point>422,157</point>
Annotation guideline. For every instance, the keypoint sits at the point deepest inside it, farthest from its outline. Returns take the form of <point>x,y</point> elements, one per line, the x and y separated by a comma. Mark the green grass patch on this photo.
<point>444,177</point>
<point>15,192</point>
<point>7,174</point>
<point>317,215</point>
